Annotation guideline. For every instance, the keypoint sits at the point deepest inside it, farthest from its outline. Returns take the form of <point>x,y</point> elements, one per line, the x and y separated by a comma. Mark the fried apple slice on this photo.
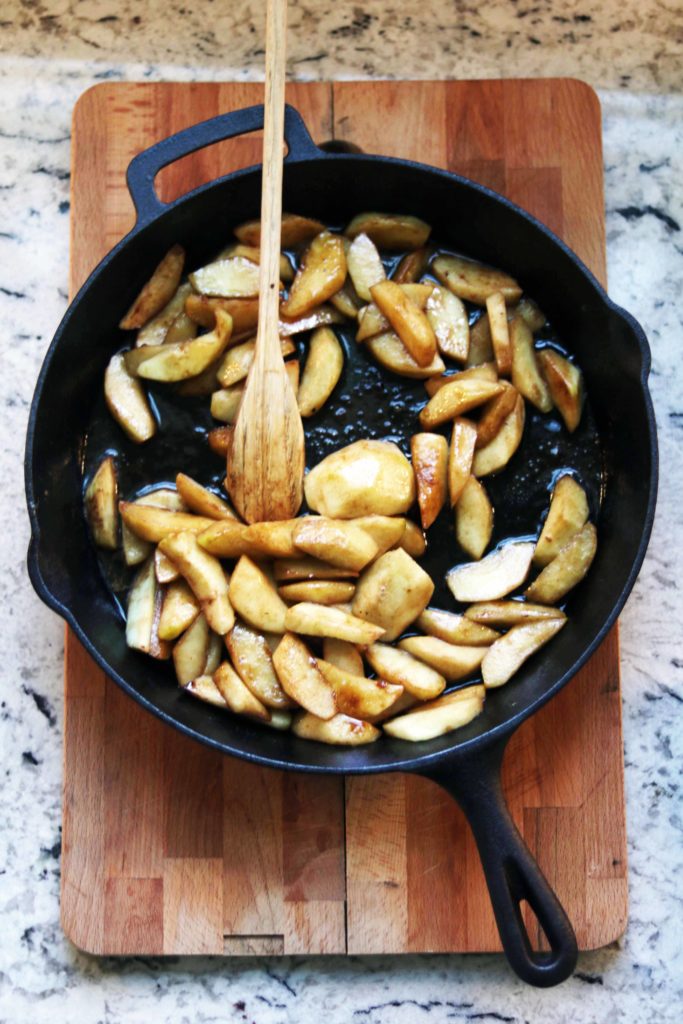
<point>225,538</point>
<point>289,569</point>
<point>158,291</point>
<point>481,342</point>
<point>391,353</point>
<point>153,524</point>
<point>206,577</point>
<point>390,230</point>
<point>567,514</point>
<point>455,399</point>
<point>343,655</point>
<point>244,312</point>
<point>473,519</point>
<point>237,694</point>
<point>438,717</point>
<point>127,402</point>
<point>385,531</point>
<point>402,704</point>
<point>321,274</point>
<point>460,456</point>
<point>455,629</point>
<point>364,265</point>
<point>237,362</point>
<point>293,230</point>
<point>412,266</point>
<point>101,505</point>
<point>253,253</point>
<point>301,678</point>
<point>336,541</point>
<point>186,358</point>
<point>565,382</point>
<point>319,317</point>
<point>318,620</point>
<point>225,403</point>
<point>409,322</point>
<point>473,281</point>
<point>191,652</point>
<point>156,330</point>
<point>220,439</point>
<point>364,478</point>
<point>530,312</point>
<point>322,371</point>
<point>486,371</point>
<point>498,452</point>
<point>357,696</point>
<point>201,500</point>
<point>500,335</point>
<point>494,576</point>
<point>429,453</point>
<point>448,318</point>
<point>328,592</point>
<point>179,610</point>
<point>183,328</point>
<point>255,598</point>
<point>506,655</point>
<point>273,539</point>
<point>341,730</point>
<point>215,653</point>
<point>511,613</point>
<point>164,569</point>
<point>231,278</point>
<point>251,658</point>
<point>204,688</point>
<point>136,550</point>
<point>371,320</point>
<point>392,592</point>
<point>401,668</point>
<point>453,661</point>
<point>494,414</point>
<point>143,613</point>
<point>526,375</point>
<point>567,569</point>
<point>413,540</point>
<point>346,301</point>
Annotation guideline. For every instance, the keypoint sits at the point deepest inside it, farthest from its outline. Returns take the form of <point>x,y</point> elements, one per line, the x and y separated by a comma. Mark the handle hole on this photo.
<point>538,940</point>
<point>207,164</point>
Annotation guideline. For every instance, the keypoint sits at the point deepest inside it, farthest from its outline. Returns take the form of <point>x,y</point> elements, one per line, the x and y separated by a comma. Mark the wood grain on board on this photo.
<point>273,863</point>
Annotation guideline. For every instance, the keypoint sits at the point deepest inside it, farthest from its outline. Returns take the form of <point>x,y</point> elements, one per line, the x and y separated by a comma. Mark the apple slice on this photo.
<point>567,568</point>
<point>429,453</point>
<point>439,716</point>
<point>400,667</point>
<point>455,629</point>
<point>506,655</point>
<point>453,661</point>
<point>341,730</point>
<point>567,514</point>
<point>473,519</point>
<point>565,381</point>
<point>494,576</point>
<point>498,452</point>
<point>301,678</point>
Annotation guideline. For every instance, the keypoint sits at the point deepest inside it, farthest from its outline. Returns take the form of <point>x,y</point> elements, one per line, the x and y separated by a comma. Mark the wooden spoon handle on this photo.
<point>271,195</point>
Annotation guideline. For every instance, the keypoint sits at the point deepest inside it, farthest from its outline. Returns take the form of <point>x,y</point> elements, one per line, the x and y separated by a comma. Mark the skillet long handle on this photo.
<point>512,874</point>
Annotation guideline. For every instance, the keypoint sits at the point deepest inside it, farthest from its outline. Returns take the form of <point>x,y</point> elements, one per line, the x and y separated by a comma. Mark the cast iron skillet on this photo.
<point>66,430</point>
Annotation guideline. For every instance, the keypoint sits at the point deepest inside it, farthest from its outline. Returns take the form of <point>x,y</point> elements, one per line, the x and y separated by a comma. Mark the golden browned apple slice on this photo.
<point>328,592</point>
<point>365,478</point>
<point>226,402</point>
<point>391,353</point>
<point>473,281</point>
<point>404,670</point>
<point>413,540</point>
<point>357,696</point>
<point>204,688</point>
<point>390,230</point>
<point>136,550</point>
<point>322,371</point>
<point>319,620</point>
<point>191,651</point>
<point>456,398</point>
<point>506,655</point>
<point>438,717</point>
<point>225,538</point>
<point>403,703</point>
<point>156,330</point>
<point>206,577</point>
<point>494,576</point>
<point>183,328</point>
<point>455,629</point>
<point>127,402</point>
<point>341,730</point>
<point>429,453</point>
<point>526,375</point>
<point>143,614</point>
<point>453,661</point>
<point>510,613</point>
<point>412,266</point>
<point>159,290</point>
<point>460,456</point>
<point>215,653</point>
<point>220,439</point>
<point>409,322</point>
<point>494,414</point>
<point>251,658</point>
<point>185,358</point>
<point>244,312</point>
<point>481,343</point>
<point>253,253</point>
<point>473,519</point>
<point>386,531</point>
<point>565,381</point>
<point>392,592</point>
<point>567,514</point>
<point>321,274</point>
<point>164,568</point>
<point>201,500</point>
<point>231,278</point>
<point>237,694</point>
<point>364,265</point>
<point>301,678</point>
<point>529,311</point>
<point>344,655</point>
<point>294,230</point>
<point>371,320</point>
<point>486,371</point>
<point>567,569</point>
<point>101,505</point>
<point>346,301</point>
<point>448,318</point>
<point>178,611</point>
<point>255,598</point>
<point>336,541</point>
<point>237,362</point>
<point>287,570</point>
<point>321,316</point>
<point>153,524</point>
<point>498,452</point>
<point>500,335</point>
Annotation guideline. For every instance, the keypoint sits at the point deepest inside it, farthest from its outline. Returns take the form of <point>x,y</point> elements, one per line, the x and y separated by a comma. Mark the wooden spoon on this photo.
<point>266,458</point>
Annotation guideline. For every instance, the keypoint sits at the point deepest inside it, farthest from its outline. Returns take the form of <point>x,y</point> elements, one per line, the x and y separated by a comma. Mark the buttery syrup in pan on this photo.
<point>368,402</point>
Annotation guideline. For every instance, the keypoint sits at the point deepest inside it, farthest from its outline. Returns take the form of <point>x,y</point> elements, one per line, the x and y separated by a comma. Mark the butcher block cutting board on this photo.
<point>169,847</point>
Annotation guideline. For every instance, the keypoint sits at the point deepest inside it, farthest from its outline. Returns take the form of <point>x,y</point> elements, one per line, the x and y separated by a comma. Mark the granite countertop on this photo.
<point>52,50</point>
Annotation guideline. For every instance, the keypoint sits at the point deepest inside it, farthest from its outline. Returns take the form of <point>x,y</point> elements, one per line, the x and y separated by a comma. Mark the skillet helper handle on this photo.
<point>144,168</point>
<point>512,874</point>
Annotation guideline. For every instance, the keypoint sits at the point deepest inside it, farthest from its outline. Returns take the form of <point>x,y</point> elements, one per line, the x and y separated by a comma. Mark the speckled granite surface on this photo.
<point>51,52</point>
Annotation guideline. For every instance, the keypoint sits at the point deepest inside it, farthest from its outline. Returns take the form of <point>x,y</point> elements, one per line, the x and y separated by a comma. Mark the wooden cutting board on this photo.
<point>170,848</point>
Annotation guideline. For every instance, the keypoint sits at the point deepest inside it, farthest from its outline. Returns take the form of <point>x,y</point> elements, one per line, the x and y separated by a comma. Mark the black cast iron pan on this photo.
<point>614,453</point>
